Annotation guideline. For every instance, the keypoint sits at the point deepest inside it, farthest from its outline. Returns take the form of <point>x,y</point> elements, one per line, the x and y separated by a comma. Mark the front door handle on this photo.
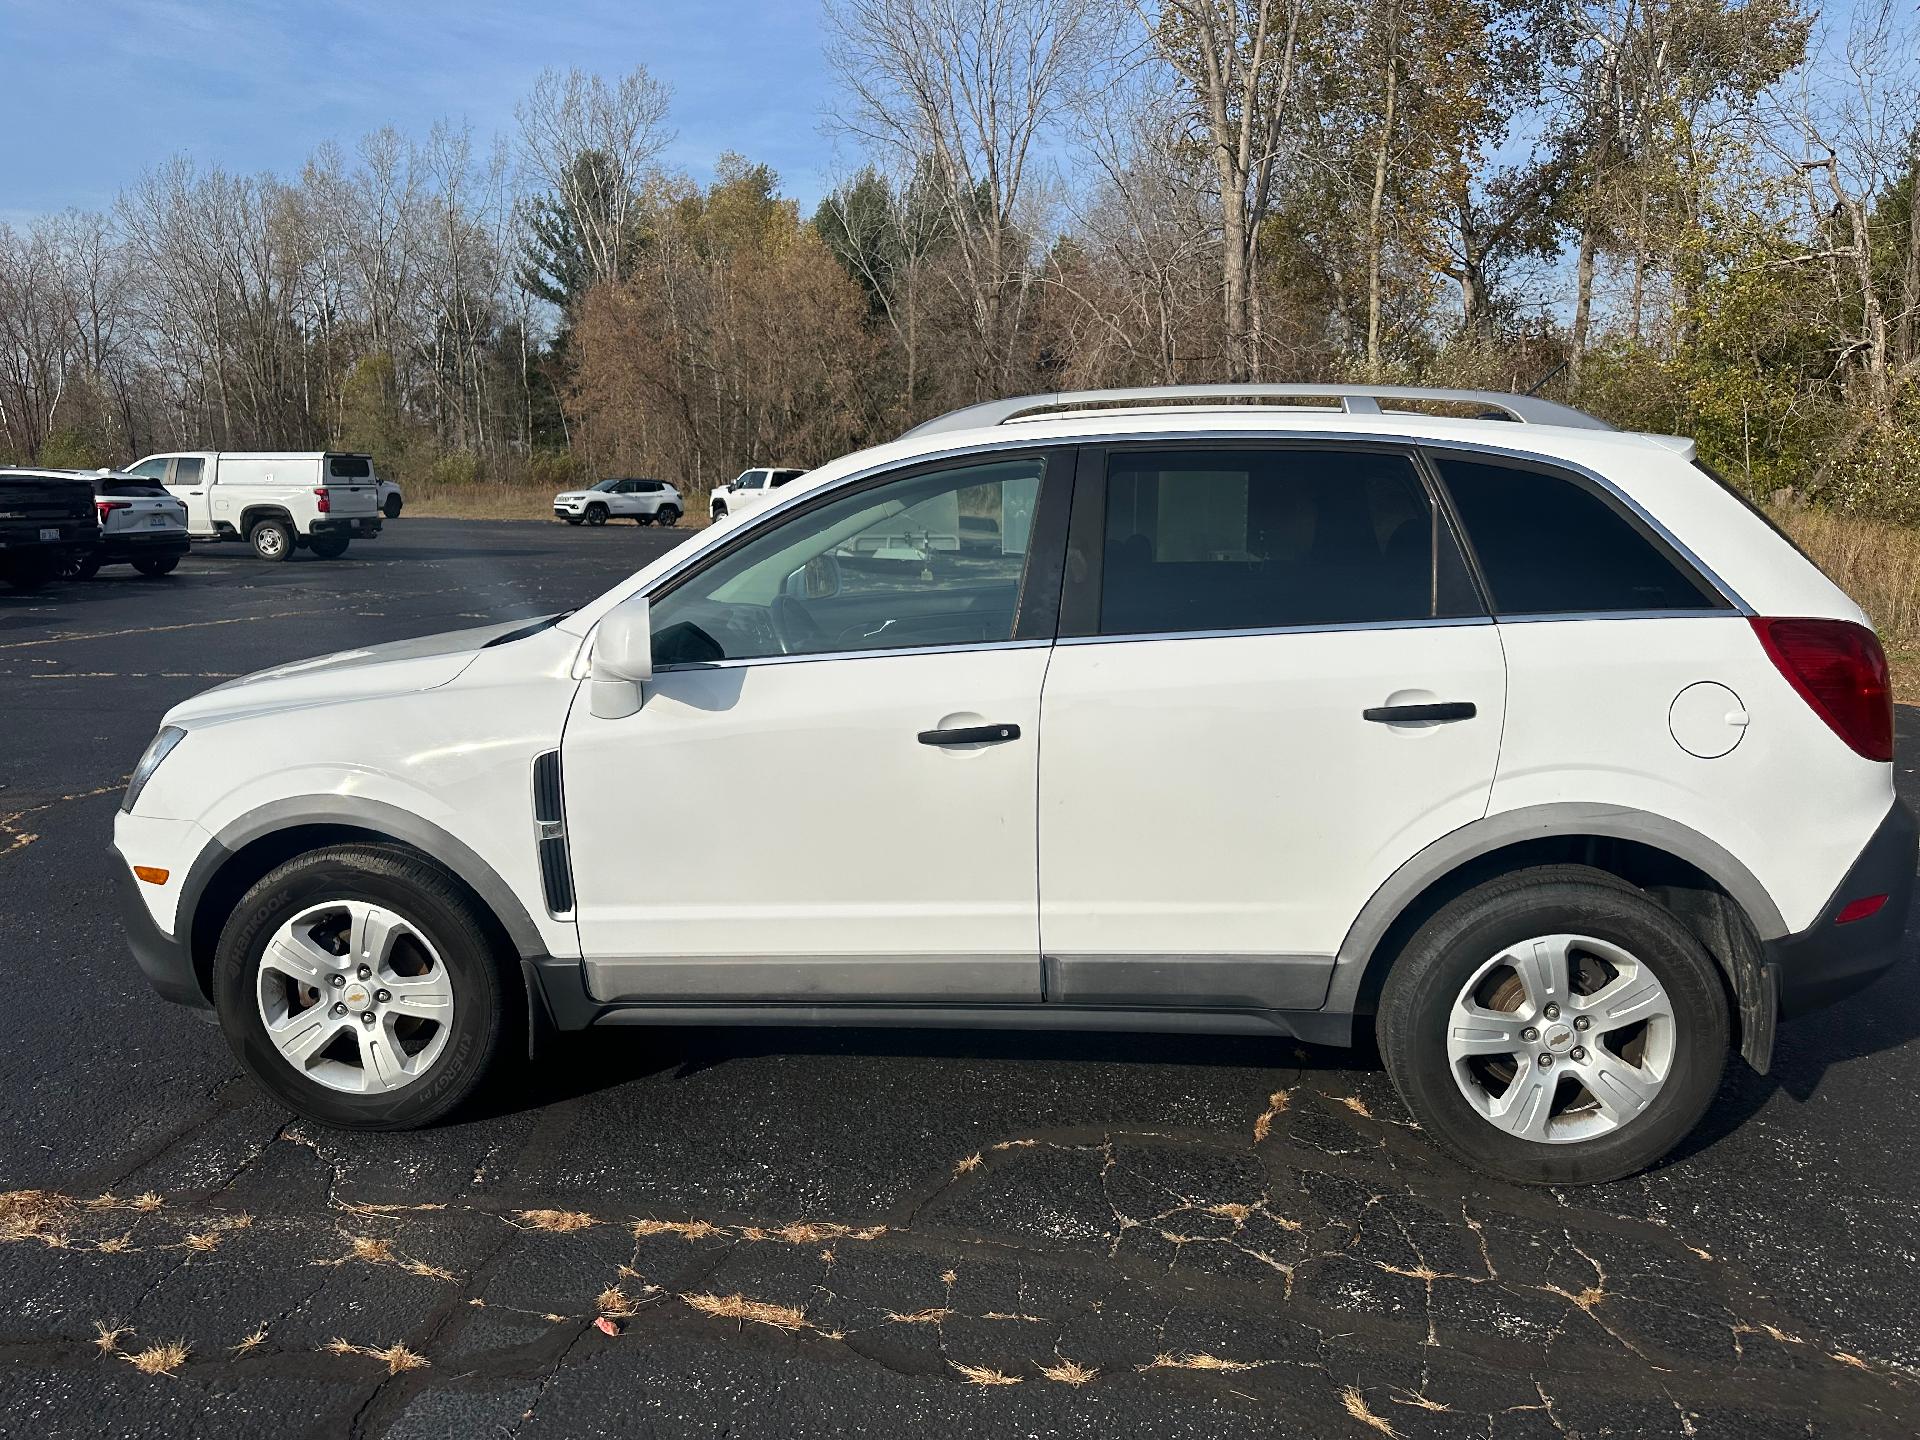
<point>971,735</point>
<point>1413,714</point>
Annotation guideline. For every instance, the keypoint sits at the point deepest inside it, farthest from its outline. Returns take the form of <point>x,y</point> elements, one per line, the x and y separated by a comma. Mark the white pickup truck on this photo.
<point>318,500</point>
<point>750,488</point>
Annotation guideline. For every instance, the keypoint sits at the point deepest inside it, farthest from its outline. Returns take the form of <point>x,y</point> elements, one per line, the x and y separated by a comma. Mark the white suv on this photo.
<point>646,502</point>
<point>1527,746</point>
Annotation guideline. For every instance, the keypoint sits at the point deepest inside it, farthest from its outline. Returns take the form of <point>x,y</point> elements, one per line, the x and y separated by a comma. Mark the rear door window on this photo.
<point>1549,544</point>
<point>1260,539</point>
<point>186,470</point>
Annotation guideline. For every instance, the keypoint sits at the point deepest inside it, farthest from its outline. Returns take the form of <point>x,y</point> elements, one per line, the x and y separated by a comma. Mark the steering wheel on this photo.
<point>795,628</point>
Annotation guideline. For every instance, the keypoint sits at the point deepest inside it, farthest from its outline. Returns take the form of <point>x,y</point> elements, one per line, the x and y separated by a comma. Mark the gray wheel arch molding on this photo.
<point>1542,822</point>
<point>390,820</point>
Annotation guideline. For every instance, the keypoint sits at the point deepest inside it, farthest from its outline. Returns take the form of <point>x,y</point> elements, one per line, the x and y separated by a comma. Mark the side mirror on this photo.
<point>622,659</point>
<point>818,579</point>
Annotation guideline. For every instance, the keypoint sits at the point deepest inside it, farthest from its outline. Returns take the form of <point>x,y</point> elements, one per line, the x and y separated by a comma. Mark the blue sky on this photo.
<point>93,92</point>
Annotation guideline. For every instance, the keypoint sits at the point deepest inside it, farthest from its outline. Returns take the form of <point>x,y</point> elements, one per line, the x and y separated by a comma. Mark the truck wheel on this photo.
<point>79,565</point>
<point>30,571</point>
<point>271,539</point>
<point>391,507</point>
<point>358,985</point>
<point>328,547</point>
<point>669,516</point>
<point>596,514</point>
<point>720,511</point>
<point>1555,1026</point>
<point>156,565</point>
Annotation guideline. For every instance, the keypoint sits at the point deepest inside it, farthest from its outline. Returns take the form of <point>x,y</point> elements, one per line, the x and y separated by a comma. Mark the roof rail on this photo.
<point>1354,400</point>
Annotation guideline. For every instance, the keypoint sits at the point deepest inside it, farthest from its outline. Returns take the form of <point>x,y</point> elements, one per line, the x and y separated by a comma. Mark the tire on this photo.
<point>391,507</point>
<point>77,566</point>
<point>1618,936</point>
<point>29,572</point>
<point>443,948</point>
<point>271,539</point>
<point>596,514</point>
<point>328,547</point>
<point>155,566</point>
<point>668,516</point>
<point>719,512</point>
<point>643,519</point>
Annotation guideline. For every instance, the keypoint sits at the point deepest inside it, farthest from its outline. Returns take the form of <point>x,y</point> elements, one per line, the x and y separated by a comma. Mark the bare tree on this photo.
<point>966,90</point>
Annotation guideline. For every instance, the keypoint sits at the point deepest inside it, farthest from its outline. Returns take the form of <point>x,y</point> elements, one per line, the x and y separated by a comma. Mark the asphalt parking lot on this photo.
<point>796,1233</point>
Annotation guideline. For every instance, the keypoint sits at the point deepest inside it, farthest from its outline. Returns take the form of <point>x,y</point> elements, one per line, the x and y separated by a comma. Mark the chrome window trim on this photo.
<point>1547,616</point>
<point>773,510</point>
<point>744,661</point>
<point>1330,629</point>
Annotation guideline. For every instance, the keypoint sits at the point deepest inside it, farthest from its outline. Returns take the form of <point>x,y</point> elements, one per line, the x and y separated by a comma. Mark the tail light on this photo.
<point>326,501</point>
<point>107,507</point>
<point>1841,672</point>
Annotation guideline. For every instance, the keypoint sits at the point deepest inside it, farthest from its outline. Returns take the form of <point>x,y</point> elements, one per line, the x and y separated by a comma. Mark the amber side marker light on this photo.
<point>152,874</point>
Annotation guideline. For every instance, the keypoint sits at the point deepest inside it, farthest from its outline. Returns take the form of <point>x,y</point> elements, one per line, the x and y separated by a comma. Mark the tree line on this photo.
<point>1692,216</point>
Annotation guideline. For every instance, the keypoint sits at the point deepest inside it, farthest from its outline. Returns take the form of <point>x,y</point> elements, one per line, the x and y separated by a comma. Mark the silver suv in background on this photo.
<point>140,525</point>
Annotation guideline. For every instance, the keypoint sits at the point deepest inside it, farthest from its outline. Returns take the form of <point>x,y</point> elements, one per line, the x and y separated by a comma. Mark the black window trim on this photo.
<point>1037,610</point>
<point>1665,544</point>
<point>1086,540</point>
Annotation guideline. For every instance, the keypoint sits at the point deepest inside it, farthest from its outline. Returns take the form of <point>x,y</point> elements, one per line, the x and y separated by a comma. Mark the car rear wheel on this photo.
<point>156,566</point>
<point>271,540</point>
<point>1555,1026</point>
<point>78,566</point>
<point>669,516</point>
<point>358,985</point>
<point>596,514</point>
<point>329,547</point>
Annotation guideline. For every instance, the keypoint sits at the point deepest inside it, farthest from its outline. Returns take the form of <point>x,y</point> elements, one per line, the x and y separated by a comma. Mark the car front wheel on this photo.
<point>596,514</point>
<point>1555,1026</point>
<point>390,507</point>
<point>358,985</point>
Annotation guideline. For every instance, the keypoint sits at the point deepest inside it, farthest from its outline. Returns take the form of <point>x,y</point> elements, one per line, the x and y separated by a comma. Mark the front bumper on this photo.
<point>1828,961</point>
<point>165,960</point>
<point>359,527</point>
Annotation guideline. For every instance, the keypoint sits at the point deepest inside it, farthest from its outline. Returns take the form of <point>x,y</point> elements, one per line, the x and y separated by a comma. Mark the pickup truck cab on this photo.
<point>47,524</point>
<point>750,488</point>
<point>280,502</point>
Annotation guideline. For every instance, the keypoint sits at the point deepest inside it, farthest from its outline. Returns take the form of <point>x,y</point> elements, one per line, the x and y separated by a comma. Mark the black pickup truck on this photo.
<point>43,520</point>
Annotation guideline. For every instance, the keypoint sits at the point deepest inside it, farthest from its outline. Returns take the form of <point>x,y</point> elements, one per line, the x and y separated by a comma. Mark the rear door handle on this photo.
<point>971,735</point>
<point>1412,714</point>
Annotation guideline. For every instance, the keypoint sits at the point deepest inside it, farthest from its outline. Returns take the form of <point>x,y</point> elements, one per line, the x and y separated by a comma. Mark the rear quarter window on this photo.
<point>349,467</point>
<point>1548,544</point>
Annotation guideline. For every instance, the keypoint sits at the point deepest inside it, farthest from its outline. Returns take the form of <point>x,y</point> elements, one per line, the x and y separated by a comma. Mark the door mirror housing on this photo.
<point>622,658</point>
<point>818,579</point>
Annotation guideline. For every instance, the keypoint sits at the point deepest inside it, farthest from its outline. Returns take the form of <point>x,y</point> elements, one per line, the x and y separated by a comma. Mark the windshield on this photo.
<point>606,485</point>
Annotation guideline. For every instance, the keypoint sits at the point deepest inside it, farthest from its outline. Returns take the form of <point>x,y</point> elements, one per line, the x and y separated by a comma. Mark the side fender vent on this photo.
<point>550,835</point>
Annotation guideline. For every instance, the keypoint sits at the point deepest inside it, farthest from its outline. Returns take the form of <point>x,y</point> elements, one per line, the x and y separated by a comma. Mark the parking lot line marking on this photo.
<point>148,629</point>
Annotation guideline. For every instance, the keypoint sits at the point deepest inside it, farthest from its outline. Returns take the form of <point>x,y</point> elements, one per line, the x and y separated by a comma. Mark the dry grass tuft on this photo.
<point>107,1333</point>
<point>1068,1372</point>
<point>145,1202</point>
<point>983,1375</point>
<point>251,1341</point>
<point>368,1249</point>
<point>1228,1210</point>
<point>971,1163</point>
<point>34,1215</point>
<point>396,1357</point>
<point>613,1302</point>
<point>367,1207</point>
<point>202,1241</point>
<point>1355,1405</point>
<point>563,1222</point>
<point>1276,1105</point>
<point>920,1317</point>
<point>738,1307</point>
<point>159,1359</point>
<point>812,1233</point>
<point>116,1244</point>
<point>685,1229</point>
<point>1357,1106</point>
<point>1167,1360</point>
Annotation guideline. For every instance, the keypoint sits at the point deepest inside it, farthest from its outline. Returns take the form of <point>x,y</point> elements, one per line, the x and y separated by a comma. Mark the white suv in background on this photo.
<point>750,488</point>
<point>140,525</point>
<point>645,502</point>
<point>1527,747</point>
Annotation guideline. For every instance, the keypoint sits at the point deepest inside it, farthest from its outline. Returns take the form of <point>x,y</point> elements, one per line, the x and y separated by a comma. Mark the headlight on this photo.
<point>162,746</point>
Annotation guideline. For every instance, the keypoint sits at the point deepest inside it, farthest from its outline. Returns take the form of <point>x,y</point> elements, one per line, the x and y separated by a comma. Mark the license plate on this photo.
<point>49,532</point>
<point>158,520</point>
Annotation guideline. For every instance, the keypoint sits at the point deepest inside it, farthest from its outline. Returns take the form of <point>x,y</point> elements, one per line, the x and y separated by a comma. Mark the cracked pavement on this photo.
<point>787,1232</point>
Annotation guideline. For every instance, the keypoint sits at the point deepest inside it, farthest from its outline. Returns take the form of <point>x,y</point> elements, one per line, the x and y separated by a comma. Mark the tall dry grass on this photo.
<point>1878,564</point>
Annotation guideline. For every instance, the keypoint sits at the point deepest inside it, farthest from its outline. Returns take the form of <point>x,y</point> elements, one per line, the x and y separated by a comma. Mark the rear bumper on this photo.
<point>136,546</point>
<point>359,527</point>
<point>1829,961</point>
